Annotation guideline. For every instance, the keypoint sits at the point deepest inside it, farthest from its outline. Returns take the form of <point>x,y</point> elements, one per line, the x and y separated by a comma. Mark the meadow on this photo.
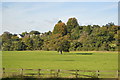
<point>82,60</point>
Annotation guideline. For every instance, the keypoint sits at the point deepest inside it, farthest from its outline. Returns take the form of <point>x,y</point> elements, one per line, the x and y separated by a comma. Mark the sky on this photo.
<point>18,17</point>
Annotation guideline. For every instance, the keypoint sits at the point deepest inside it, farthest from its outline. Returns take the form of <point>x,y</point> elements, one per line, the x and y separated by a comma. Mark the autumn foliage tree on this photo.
<point>60,28</point>
<point>68,36</point>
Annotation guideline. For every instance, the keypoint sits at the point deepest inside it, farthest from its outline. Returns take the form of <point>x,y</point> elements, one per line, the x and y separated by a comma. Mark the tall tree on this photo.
<point>71,23</point>
<point>60,28</point>
<point>63,45</point>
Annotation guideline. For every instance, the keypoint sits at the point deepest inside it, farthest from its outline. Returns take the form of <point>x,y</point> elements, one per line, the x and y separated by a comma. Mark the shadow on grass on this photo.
<point>81,53</point>
<point>65,60</point>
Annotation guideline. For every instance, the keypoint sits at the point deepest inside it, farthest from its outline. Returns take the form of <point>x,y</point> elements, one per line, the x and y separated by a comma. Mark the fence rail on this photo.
<point>58,73</point>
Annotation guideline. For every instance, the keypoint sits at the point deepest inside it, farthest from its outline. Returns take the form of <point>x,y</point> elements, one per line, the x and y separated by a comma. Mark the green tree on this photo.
<point>75,33</point>
<point>24,33</point>
<point>75,45</point>
<point>65,38</point>
<point>6,46</point>
<point>71,23</point>
<point>59,21</point>
<point>28,42</point>
<point>18,46</point>
<point>37,43</point>
<point>6,36</point>
<point>60,28</point>
<point>87,29</point>
<point>34,32</point>
<point>63,45</point>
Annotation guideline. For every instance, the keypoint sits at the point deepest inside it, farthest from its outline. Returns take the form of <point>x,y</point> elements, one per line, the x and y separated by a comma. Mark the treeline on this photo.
<point>65,37</point>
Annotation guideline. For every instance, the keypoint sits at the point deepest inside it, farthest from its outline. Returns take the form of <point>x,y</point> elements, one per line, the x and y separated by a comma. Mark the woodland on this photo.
<point>65,37</point>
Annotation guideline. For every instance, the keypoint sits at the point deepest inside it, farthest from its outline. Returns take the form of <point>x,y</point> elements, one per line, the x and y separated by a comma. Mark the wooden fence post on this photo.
<point>3,72</point>
<point>54,74</point>
<point>97,73</point>
<point>58,73</point>
<point>39,73</point>
<point>21,72</point>
<point>76,75</point>
<point>51,72</point>
<point>117,73</point>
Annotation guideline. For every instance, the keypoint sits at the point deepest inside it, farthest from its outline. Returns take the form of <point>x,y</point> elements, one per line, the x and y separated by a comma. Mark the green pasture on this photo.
<point>83,60</point>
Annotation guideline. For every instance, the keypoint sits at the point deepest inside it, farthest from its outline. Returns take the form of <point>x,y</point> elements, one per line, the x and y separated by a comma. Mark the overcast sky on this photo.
<point>18,17</point>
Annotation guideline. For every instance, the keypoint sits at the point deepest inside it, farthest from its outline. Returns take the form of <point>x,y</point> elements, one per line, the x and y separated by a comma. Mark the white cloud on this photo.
<point>27,17</point>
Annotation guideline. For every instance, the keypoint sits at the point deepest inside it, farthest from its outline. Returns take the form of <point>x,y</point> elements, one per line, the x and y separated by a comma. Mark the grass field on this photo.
<point>83,60</point>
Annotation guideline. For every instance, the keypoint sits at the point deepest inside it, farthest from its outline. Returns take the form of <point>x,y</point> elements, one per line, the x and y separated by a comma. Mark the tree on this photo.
<point>6,36</point>
<point>18,46</point>
<point>34,32</point>
<point>60,28</point>
<point>24,33</point>
<point>6,46</point>
<point>75,45</point>
<point>63,46</point>
<point>37,42</point>
<point>71,23</point>
<point>28,42</point>
<point>110,24</point>
<point>65,37</point>
<point>87,29</point>
<point>75,33</point>
<point>59,21</point>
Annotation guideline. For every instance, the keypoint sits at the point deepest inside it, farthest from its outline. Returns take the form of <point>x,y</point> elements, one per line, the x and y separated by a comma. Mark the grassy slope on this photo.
<point>52,60</point>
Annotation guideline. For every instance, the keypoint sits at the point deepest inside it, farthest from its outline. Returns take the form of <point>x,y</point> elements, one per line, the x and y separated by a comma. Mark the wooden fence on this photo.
<point>58,73</point>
